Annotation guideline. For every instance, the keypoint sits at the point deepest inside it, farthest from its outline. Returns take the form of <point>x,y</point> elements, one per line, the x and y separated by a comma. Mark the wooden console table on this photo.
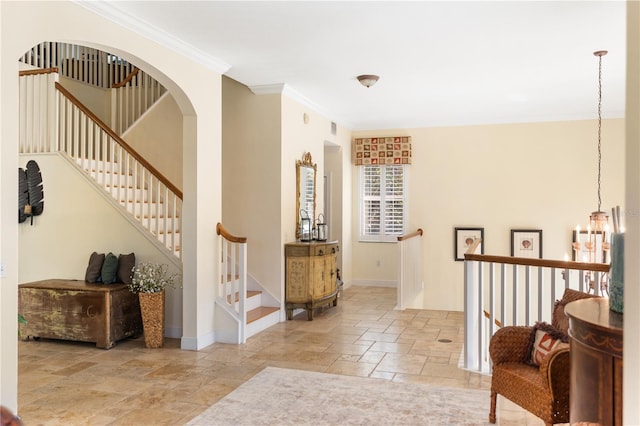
<point>596,362</point>
<point>311,278</point>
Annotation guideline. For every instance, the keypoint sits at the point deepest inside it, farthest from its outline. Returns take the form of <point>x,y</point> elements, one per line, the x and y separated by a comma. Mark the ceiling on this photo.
<point>441,63</point>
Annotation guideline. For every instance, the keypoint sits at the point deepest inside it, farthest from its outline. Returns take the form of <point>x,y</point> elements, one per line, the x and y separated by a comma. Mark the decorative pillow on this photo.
<point>95,267</point>
<point>544,339</point>
<point>109,269</point>
<point>126,262</point>
<point>560,319</point>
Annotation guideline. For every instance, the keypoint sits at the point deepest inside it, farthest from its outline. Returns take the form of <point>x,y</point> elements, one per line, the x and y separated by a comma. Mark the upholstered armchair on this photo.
<point>542,390</point>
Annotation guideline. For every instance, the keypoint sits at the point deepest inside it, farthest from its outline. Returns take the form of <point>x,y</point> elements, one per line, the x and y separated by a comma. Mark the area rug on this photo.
<point>278,396</point>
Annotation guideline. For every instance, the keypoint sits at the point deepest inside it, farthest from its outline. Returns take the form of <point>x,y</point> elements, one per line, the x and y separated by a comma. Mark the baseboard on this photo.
<point>197,343</point>
<point>372,283</point>
<point>173,332</point>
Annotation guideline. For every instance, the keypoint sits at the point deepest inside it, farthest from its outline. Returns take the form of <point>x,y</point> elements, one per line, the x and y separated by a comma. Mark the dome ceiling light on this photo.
<point>368,80</point>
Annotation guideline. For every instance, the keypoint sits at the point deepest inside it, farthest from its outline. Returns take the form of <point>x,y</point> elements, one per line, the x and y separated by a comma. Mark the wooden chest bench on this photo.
<point>79,311</point>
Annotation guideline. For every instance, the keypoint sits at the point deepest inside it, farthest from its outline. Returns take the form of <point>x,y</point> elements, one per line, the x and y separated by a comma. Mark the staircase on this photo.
<point>53,120</point>
<point>259,317</point>
<point>152,212</point>
<point>150,198</point>
<point>241,298</point>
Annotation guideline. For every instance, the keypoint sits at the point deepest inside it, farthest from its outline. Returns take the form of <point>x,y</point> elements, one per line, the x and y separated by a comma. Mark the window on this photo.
<point>382,202</point>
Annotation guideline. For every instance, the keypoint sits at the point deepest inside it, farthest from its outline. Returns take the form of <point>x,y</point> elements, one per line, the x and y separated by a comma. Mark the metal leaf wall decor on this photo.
<point>30,192</point>
<point>23,196</point>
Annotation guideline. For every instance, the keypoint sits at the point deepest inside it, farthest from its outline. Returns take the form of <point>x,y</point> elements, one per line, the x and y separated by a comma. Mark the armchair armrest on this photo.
<point>510,344</point>
<point>556,369</point>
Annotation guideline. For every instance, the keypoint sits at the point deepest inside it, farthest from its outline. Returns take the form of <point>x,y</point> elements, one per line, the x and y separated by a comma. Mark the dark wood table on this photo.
<point>596,362</point>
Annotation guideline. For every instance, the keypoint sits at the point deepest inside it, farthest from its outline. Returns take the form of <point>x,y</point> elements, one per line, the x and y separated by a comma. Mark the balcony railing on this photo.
<point>503,291</point>
<point>410,285</point>
<point>133,91</point>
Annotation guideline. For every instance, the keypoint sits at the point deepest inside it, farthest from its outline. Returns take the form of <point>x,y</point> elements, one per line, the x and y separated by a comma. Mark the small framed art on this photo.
<point>464,238</point>
<point>526,243</point>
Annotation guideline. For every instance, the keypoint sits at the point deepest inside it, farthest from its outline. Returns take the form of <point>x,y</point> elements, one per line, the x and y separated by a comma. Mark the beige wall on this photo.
<point>312,136</point>
<point>76,221</point>
<point>251,178</point>
<point>94,98</point>
<point>157,136</point>
<point>263,137</point>
<point>299,137</point>
<point>333,212</point>
<point>531,176</point>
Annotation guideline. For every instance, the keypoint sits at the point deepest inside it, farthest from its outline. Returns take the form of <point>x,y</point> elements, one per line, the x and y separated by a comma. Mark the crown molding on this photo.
<point>110,11</point>
<point>268,89</point>
<point>286,90</point>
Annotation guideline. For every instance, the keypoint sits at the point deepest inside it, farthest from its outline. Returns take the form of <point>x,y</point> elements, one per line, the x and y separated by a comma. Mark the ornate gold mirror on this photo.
<point>305,196</point>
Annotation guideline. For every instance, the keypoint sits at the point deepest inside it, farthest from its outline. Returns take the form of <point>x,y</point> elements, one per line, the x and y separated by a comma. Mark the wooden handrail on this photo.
<point>120,141</point>
<point>558,264</point>
<point>38,71</point>
<point>488,316</point>
<point>221,231</point>
<point>127,79</point>
<point>417,233</point>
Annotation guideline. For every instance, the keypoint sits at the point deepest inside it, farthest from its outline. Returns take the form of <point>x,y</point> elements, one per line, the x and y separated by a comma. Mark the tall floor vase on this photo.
<point>152,310</point>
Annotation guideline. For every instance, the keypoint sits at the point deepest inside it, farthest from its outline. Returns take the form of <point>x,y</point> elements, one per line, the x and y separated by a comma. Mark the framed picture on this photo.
<point>581,252</point>
<point>526,243</point>
<point>464,238</point>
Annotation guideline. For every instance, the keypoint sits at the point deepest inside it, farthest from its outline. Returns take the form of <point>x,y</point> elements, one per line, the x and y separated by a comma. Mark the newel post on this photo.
<point>472,357</point>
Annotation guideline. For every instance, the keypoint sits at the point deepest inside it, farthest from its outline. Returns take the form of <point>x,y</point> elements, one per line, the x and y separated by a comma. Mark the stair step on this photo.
<point>229,279</point>
<point>123,185</point>
<point>144,202</point>
<point>250,293</point>
<point>162,232</point>
<point>120,185</point>
<point>260,312</point>
<point>153,216</point>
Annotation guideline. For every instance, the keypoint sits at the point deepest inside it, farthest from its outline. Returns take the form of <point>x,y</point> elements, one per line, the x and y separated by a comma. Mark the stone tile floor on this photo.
<point>77,384</point>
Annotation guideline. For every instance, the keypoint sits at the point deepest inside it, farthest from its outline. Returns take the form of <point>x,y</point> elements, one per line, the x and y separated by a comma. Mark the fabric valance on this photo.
<point>386,150</point>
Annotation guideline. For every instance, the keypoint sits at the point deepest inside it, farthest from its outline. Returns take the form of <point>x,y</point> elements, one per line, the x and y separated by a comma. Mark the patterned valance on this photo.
<point>388,150</point>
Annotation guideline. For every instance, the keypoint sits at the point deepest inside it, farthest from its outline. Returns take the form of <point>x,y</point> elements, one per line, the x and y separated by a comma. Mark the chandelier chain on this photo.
<point>599,127</point>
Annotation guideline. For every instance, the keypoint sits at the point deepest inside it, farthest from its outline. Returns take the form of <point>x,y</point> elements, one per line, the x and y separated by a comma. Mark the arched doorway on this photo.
<point>196,88</point>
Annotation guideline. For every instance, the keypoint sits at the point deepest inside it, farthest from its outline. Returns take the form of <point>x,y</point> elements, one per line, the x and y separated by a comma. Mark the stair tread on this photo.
<point>230,278</point>
<point>250,293</point>
<point>169,231</point>
<point>260,312</point>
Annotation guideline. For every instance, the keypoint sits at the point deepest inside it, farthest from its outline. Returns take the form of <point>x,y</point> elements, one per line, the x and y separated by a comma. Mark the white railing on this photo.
<point>503,291</point>
<point>85,64</point>
<point>53,120</point>
<point>132,90</point>
<point>131,98</point>
<point>37,115</point>
<point>152,199</point>
<point>232,288</point>
<point>410,284</point>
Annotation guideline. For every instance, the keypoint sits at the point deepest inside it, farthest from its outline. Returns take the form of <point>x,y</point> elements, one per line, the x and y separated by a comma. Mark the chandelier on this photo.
<point>595,247</point>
